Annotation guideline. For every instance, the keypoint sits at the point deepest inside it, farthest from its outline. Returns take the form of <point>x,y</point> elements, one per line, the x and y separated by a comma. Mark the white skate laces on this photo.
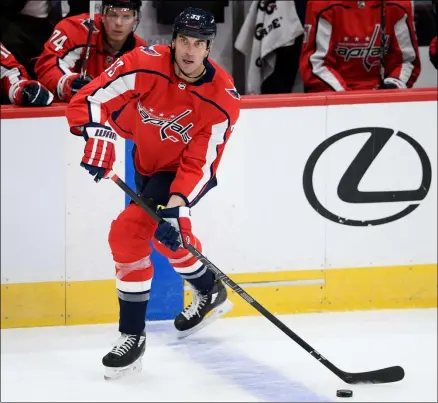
<point>124,343</point>
<point>198,302</point>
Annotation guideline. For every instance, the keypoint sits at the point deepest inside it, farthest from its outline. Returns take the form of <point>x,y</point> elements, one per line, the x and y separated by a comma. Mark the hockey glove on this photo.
<point>99,151</point>
<point>390,83</point>
<point>69,85</point>
<point>31,93</point>
<point>176,228</point>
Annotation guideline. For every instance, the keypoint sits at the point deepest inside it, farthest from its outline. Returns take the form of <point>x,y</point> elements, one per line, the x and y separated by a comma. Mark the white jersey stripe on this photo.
<point>322,40</point>
<point>404,41</point>
<point>114,89</point>
<point>14,77</point>
<point>69,60</point>
<point>217,138</point>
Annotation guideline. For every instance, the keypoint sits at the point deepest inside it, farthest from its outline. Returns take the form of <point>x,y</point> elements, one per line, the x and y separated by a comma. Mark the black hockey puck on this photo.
<point>344,393</point>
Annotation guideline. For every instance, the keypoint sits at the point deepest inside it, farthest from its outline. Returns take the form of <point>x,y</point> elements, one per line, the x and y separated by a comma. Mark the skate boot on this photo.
<point>203,309</point>
<point>125,356</point>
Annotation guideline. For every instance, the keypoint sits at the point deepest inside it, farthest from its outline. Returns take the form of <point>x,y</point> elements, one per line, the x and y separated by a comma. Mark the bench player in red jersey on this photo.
<point>59,66</point>
<point>179,108</point>
<point>17,87</point>
<point>343,40</point>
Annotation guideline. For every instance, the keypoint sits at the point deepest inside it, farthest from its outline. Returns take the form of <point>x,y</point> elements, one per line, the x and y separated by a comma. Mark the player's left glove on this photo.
<point>390,83</point>
<point>176,228</point>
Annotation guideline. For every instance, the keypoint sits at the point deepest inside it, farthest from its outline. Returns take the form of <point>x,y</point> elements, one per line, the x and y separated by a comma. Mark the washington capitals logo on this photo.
<point>149,50</point>
<point>168,125</point>
<point>368,51</point>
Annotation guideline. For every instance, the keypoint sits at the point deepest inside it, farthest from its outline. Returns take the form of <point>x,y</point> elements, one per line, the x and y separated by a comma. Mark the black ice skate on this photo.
<point>125,356</point>
<point>203,309</point>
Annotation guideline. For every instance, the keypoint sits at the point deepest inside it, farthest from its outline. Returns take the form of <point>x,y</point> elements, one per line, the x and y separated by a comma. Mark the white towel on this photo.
<point>266,28</point>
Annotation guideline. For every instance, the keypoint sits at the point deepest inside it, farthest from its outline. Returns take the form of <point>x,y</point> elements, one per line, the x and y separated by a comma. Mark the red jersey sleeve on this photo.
<point>196,173</point>
<point>317,63</point>
<point>403,60</point>
<point>130,76</point>
<point>62,51</point>
<point>12,72</point>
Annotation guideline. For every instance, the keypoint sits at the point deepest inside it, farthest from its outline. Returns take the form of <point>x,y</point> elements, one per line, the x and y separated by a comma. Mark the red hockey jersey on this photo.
<point>12,72</point>
<point>342,45</point>
<point>175,125</point>
<point>64,51</point>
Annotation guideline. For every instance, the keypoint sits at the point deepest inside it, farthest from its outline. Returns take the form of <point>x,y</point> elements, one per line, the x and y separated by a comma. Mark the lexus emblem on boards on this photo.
<point>348,187</point>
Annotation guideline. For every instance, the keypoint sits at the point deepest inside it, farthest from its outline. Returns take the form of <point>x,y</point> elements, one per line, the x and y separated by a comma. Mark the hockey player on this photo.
<point>17,87</point>
<point>59,65</point>
<point>342,45</point>
<point>179,108</point>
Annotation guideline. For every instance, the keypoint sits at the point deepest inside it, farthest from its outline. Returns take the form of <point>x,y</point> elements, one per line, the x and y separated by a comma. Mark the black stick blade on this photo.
<point>384,375</point>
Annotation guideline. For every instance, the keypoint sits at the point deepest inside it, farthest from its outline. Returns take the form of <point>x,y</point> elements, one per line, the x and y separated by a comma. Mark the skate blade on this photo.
<point>214,314</point>
<point>116,373</point>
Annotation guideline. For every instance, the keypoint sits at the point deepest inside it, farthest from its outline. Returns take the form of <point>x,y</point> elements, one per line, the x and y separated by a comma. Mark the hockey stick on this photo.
<point>90,36</point>
<point>385,375</point>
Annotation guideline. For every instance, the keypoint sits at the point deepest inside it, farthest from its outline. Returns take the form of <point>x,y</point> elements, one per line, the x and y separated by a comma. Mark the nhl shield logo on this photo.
<point>149,50</point>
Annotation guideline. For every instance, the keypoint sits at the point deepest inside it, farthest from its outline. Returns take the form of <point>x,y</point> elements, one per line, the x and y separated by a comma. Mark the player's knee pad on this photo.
<point>182,260</point>
<point>130,235</point>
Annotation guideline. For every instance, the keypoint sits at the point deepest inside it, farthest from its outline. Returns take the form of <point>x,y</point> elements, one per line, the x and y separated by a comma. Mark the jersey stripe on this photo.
<point>14,76</point>
<point>68,61</point>
<point>406,46</point>
<point>218,136</point>
<point>115,88</point>
<point>322,43</point>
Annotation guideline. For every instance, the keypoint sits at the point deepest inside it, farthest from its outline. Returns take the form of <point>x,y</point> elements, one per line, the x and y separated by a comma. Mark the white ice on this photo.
<point>240,359</point>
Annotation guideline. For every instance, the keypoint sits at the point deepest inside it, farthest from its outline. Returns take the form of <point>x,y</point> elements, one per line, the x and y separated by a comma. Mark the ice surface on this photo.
<point>240,359</point>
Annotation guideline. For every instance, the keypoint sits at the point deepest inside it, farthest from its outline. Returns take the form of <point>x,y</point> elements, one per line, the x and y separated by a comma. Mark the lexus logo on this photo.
<point>348,190</point>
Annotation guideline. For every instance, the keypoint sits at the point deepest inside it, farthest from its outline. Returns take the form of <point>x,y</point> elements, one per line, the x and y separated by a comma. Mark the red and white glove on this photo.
<point>70,84</point>
<point>30,93</point>
<point>176,228</point>
<point>99,151</point>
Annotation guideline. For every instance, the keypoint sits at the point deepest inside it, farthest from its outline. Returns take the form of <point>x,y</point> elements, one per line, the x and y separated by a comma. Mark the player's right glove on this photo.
<point>31,93</point>
<point>176,228</point>
<point>69,85</point>
<point>99,151</point>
